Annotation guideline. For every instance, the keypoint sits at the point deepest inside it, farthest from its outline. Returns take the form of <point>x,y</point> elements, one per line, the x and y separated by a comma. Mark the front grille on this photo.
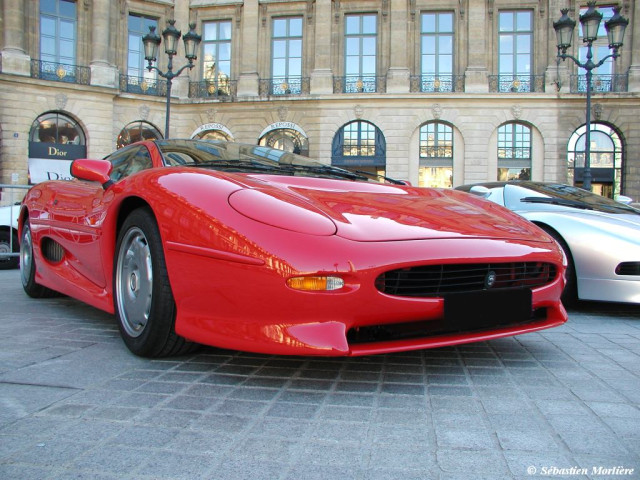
<point>438,280</point>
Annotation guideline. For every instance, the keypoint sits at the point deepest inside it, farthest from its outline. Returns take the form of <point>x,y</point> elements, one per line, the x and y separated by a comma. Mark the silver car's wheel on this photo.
<point>8,244</point>
<point>134,282</point>
<point>142,296</point>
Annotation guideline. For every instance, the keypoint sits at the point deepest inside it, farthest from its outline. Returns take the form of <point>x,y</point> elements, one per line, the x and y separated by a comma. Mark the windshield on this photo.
<point>569,196</point>
<point>238,157</point>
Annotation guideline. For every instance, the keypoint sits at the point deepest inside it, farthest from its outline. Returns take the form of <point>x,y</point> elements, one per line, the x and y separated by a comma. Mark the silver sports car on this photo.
<point>600,237</point>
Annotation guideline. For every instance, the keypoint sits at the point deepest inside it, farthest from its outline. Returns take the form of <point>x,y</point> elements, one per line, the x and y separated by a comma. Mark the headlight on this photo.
<point>282,211</point>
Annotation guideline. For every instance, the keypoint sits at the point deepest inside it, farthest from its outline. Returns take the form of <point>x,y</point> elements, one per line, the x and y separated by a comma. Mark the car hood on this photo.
<point>380,212</point>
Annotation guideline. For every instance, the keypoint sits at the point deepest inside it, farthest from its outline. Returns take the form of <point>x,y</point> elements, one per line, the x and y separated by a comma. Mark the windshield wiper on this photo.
<point>242,166</point>
<point>384,177</point>
<point>557,201</point>
<point>328,170</point>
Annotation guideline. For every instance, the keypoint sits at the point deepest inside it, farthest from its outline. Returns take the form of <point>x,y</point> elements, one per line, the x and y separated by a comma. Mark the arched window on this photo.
<point>359,145</point>
<point>137,131</point>
<point>213,135</point>
<point>514,152</point>
<point>436,155</point>
<point>55,140</point>
<point>605,155</point>
<point>57,128</point>
<point>286,139</point>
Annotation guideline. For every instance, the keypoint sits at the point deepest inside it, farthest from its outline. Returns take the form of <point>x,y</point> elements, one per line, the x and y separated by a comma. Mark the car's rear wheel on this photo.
<point>8,244</point>
<point>28,267</point>
<point>143,300</point>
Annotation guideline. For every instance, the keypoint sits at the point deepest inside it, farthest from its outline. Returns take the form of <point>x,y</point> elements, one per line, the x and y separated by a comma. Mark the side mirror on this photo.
<point>624,199</point>
<point>92,171</point>
<point>480,191</point>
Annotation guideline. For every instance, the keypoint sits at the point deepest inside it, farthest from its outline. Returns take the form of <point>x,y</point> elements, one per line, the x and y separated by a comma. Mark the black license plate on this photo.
<point>469,311</point>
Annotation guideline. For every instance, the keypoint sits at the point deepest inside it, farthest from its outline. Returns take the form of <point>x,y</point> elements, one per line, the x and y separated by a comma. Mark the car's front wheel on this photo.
<point>28,267</point>
<point>8,245</point>
<point>143,300</point>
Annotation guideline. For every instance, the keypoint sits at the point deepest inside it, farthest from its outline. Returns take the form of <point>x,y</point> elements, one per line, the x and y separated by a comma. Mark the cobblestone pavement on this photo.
<point>74,403</point>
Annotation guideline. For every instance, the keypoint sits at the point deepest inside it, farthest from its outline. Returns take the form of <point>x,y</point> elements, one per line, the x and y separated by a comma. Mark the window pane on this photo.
<point>67,30</point>
<point>368,46</point>
<point>353,25</point>
<point>295,48</point>
<point>295,67</point>
<point>279,67</point>
<point>224,33</point>
<point>279,48</point>
<point>523,20</point>
<point>445,65</point>
<point>506,22</point>
<point>429,23</point>
<point>48,6</point>
<point>352,66</point>
<point>369,65</point>
<point>224,51</point>
<point>280,27</point>
<point>353,46</point>
<point>369,24</point>
<point>67,9</point>
<point>210,31</point>
<point>295,27</point>
<point>523,44</point>
<point>445,23</point>
<point>47,26</point>
<point>506,44</point>
<point>445,44</point>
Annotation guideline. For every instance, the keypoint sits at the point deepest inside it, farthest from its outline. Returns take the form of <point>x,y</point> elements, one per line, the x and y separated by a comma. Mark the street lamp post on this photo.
<point>590,22</point>
<point>171,36</point>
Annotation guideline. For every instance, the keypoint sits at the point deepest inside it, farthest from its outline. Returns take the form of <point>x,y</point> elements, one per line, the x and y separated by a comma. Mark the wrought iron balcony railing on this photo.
<point>144,86</point>
<point>223,89</point>
<point>436,83</point>
<point>516,83</point>
<point>60,72</point>
<point>360,84</point>
<point>600,83</point>
<point>284,86</point>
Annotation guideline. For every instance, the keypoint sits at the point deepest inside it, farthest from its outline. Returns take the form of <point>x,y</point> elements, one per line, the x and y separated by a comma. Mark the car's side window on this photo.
<point>129,161</point>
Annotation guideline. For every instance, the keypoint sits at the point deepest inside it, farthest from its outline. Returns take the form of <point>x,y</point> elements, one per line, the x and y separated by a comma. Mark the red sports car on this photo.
<point>245,247</point>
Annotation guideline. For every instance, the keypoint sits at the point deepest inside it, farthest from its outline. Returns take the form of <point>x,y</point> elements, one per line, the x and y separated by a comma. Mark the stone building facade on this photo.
<point>437,92</point>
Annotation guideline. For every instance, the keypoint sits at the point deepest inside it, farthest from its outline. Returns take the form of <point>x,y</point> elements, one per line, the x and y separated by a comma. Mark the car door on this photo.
<point>78,208</point>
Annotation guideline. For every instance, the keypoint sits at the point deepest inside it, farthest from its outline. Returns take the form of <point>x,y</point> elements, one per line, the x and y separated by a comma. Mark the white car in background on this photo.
<point>600,236</point>
<point>9,246</point>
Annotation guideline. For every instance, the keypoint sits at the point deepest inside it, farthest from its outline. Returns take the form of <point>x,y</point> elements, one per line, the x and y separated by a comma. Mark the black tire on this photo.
<point>28,267</point>
<point>570,293</point>
<point>9,244</point>
<point>142,296</point>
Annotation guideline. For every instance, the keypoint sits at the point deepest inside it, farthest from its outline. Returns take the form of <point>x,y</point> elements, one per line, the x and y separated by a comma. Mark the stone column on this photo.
<point>180,86</point>
<point>248,78</point>
<point>103,73</point>
<point>322,76</point>
<point>476,74</point>
<point>632,42</point>
<point>557,75</point>
<point>398,74</point>
<point>14,58</point>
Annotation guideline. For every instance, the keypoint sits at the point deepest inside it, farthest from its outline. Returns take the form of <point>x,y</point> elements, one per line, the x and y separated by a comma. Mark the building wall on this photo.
<point>102,107</point>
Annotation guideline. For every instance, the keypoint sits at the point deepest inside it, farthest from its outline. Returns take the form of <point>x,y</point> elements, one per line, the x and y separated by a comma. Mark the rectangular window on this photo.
<point>286,56</point>
<point>515,51</point>
<point>216,49</point>
<point>437,52</point>
<point>138,27</point>
<point>58,32</point>
<point>360,52</point>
